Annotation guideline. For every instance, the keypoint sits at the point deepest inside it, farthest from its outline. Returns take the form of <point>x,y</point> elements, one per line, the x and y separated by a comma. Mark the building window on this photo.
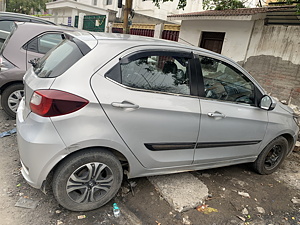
<point>108,2</point>
<point>95,2</point>
<point>212,41</point>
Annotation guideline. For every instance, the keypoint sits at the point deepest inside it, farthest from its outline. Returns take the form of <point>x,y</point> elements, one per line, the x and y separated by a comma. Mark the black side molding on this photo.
<point>191,145</point>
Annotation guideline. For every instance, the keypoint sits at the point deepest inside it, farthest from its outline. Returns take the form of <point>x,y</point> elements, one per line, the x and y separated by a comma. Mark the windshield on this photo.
<point>58,60</point>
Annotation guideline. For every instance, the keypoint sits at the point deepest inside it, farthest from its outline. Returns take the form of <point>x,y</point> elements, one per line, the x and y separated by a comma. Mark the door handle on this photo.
<point>125,104</point>
<point>216,114</point>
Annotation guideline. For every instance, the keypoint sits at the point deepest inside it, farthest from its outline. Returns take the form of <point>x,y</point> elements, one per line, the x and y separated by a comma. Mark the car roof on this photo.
<point>126,41</point>
<point>22,17</point>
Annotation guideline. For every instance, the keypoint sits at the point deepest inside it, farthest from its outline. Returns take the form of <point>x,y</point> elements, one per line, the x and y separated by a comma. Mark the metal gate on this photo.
<point>92,23</point>
<point>170,31</point>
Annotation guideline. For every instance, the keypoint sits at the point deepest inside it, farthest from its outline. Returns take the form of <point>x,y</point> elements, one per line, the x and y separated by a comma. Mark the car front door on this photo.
<point>232,126</point>
<point>148,98</point>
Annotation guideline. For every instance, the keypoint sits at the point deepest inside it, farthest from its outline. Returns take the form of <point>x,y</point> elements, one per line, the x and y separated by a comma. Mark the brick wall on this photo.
<point>280,78</point>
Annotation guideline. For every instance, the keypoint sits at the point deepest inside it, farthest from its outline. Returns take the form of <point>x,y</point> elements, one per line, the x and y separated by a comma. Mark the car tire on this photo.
<point>11,97</point>
<point>272,156</point>
<point>87,180</point>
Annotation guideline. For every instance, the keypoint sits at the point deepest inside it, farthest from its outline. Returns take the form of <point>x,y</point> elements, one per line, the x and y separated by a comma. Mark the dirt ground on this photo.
<point>269,201</point>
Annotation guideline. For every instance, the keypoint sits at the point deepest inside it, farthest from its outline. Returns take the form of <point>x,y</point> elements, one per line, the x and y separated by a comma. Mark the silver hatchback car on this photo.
<point>99,106</point>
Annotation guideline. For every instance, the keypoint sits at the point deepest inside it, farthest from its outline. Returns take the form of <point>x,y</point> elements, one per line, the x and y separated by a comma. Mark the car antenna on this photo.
<point>184,40</point>
<point>187,42</point>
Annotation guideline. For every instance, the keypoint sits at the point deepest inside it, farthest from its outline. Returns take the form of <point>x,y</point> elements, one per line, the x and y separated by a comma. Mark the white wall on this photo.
<point>143,7</point>
<point>237,35</point>
<point>277,41</point>
<point>167,8</point>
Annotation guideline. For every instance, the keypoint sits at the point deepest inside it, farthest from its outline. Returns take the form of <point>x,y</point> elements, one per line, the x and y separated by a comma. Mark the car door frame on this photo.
<point>258,90</point>
<point>258,93</point>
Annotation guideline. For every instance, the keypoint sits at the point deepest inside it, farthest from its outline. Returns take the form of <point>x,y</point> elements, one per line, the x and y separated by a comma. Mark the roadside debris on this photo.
<point>132,184</point>
<point>206,209</point>
<point>26,203</point>
<point>186,221</point>
<point>297,146</point>
<point>81,217</point>
<point>188,194</point>
<point>245,211</point>
<point>261,210</point>
<point>116,210</point>
<point>8,133</point>
<point>296,200</point>
<point>125,191</point>
<point>241,218</point>
<point>244,194</point>
<point>59,222</point>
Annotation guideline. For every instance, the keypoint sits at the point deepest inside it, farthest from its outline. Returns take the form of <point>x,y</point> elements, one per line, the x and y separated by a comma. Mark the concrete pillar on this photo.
<point>109,27</point>
<point>2,5</point>
<point>158,30</point>
<point>106,21</point>
<point>73,14</point>
<point>80,20</point>
<point>55,17</point>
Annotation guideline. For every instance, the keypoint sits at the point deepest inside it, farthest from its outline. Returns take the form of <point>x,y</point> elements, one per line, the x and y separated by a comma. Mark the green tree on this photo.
<point>25,6</point>
<point>222,4</point>
<point>181,4</point>
<point>208,4</point>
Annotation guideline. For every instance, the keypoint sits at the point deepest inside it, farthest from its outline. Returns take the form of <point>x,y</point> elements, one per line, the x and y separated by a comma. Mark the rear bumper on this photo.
<point>40,146</point>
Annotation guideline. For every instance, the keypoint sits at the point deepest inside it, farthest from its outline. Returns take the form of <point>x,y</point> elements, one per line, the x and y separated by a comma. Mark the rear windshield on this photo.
<point>58,60</point>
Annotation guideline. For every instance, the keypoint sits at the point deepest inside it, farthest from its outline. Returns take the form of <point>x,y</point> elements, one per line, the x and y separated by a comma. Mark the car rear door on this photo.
<point>148,98</point>
<point>232,126</point>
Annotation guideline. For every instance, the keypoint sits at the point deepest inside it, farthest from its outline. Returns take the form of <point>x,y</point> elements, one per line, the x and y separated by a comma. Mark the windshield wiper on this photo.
<point>34,62</point>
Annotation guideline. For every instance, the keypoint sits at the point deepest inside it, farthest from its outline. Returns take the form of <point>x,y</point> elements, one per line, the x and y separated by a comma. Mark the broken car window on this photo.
<point>224,82</point>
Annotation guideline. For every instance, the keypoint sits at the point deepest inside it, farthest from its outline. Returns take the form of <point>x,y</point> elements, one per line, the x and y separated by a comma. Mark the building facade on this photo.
<point>63,10</point>
<point>265,41</point>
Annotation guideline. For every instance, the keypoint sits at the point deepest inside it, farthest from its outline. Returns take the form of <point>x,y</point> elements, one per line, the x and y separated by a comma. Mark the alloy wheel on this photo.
<point>90,182</point>
<point>14,99</point>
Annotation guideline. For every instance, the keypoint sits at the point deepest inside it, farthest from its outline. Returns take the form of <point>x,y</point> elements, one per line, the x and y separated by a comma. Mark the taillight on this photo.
<point>49,103</point>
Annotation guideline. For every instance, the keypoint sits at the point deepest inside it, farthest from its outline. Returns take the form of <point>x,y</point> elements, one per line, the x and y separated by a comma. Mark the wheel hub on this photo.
<point>91,183</point>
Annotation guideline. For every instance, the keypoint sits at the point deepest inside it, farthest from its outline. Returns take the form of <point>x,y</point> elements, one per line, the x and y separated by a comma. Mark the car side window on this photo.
<point>44,43</point>
<point>224,82</point>
<point>48,41</point>
<point>157,73</point>
<point>5,28</point>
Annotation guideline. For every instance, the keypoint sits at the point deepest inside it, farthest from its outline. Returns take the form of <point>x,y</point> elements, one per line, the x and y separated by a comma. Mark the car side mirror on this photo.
<point>267,103</point>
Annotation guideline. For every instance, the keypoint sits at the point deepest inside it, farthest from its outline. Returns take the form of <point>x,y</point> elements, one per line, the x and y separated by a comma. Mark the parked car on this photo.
<point>7,24</point>
<point>98,106</point>
<point>26,42</point>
